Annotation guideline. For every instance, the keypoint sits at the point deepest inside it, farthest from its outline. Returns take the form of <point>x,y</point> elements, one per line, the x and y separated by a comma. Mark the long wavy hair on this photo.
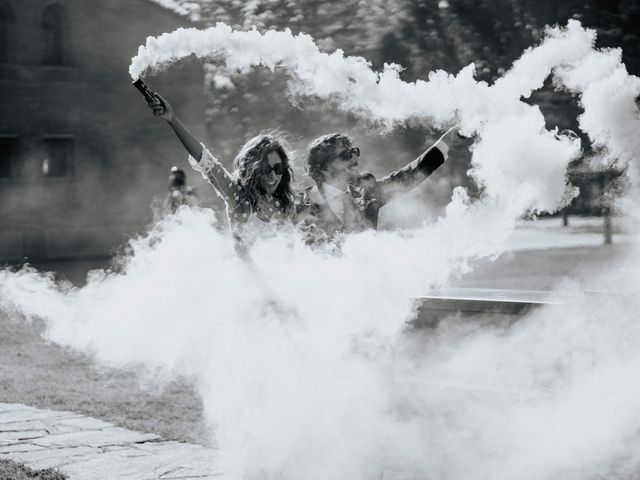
<point>250,164</point>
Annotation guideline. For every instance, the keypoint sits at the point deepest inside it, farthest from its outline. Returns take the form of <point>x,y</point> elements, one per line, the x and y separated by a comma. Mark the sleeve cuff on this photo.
<point>443,147</point>
<point>206,162</point>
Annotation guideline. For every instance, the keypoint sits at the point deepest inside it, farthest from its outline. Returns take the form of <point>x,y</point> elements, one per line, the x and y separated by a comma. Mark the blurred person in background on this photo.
<point>345,199</point>
<point>260,183</point>
<point>180,194</point>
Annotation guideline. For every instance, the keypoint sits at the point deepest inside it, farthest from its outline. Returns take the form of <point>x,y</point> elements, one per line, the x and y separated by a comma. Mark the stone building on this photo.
<point>81,156</point>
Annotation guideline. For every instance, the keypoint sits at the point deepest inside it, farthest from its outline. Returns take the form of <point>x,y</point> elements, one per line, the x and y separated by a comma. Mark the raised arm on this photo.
<point>401,181</point>
<point>408,177</point>
<point>200,158</point>
<point>163,109</point>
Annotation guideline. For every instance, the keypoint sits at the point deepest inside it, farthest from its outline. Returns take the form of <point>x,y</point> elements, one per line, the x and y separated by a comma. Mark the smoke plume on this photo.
<point>302,357</point>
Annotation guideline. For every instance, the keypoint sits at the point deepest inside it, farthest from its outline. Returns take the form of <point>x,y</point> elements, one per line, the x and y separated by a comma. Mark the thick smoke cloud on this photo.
<point>514,149</point>
<point>301,356</point>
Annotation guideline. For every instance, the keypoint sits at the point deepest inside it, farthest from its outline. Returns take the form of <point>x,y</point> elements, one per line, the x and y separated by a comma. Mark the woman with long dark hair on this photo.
<point>260,182</point>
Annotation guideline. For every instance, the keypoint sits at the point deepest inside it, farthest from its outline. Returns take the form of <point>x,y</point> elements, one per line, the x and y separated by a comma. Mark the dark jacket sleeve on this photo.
<point>401,181</point>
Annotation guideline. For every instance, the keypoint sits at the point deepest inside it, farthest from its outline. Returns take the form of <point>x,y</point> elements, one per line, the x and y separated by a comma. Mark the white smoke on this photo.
<point>301,357</point>
<point>181,7</point>
<point>510,131</point>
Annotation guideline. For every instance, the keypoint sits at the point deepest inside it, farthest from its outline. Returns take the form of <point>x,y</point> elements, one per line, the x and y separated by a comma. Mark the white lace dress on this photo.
<point>238,205</point>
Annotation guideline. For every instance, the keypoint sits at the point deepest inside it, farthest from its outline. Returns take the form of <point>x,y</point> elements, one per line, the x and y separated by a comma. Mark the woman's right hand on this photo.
<point>161,108</point>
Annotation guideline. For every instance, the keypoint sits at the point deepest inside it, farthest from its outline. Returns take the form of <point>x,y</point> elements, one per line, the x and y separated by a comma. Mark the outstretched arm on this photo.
<point>163,109</point>
<point>410,176</point>
<point>201,159</point>
<point>401,181</point>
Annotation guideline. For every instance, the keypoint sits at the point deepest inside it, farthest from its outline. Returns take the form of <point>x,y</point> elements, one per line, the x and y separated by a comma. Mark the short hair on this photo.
<point>321,152</point>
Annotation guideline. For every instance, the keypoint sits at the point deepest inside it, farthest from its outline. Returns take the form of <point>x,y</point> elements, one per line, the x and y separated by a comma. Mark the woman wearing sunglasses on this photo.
<point>344,199</point>
<point>260,182</point>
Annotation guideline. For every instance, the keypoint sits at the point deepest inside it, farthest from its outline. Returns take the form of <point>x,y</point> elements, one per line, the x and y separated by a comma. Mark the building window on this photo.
<point>610,5</point>
<point>59,161</point>
<point>7,33</point>
<point>8,156</point>
<point>55,32</point>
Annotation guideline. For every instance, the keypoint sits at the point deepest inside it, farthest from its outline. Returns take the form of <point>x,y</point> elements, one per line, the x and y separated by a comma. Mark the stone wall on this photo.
<point>87,157</point>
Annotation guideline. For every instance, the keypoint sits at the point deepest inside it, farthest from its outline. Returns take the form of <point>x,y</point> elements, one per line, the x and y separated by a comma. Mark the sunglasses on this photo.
<point>279,168</point>
<point>347,155</point>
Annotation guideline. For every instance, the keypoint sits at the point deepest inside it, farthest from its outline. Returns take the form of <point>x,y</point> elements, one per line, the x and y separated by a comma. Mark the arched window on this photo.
<point>7,33</point>
<point>54,28</point>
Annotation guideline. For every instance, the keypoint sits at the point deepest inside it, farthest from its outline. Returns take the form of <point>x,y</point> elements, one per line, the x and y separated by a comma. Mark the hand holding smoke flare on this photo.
<point>160,107</point>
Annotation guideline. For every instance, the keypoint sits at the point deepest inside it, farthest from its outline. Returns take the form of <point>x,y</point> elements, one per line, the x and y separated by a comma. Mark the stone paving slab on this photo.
<point>4,407</point>
<point>58,457</point>
<point>12,416</point>
<point>86,448</point>
<point>95,438</point>
<point>13,437</point>
<point>22,425</point>
<point>19,447</point>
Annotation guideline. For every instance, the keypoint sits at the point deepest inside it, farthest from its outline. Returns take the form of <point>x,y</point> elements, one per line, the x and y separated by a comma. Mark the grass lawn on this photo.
<point>45,375</point>
<point>10,470</point>
<point>543,269</point>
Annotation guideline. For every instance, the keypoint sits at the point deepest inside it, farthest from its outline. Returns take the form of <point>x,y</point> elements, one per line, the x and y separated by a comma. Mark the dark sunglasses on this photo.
<point>347,155</point>
<point>279,168</point>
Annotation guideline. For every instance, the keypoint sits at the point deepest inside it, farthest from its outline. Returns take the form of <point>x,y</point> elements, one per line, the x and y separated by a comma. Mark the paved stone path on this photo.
<point>86,448</point>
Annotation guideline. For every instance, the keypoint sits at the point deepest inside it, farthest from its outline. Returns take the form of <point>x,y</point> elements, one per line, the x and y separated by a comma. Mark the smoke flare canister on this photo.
<point>149,95</point>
